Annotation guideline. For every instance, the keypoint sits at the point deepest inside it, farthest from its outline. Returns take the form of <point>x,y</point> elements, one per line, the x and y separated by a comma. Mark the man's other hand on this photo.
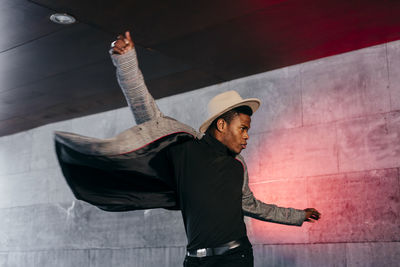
<point>123,44</point>
<point>312,215</point>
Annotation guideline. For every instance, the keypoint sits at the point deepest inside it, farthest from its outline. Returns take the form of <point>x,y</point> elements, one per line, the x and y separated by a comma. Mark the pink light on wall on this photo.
<point>347,169</point>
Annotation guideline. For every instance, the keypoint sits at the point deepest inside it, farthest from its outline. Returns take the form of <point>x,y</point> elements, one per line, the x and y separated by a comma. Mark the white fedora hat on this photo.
<point>224,102</point>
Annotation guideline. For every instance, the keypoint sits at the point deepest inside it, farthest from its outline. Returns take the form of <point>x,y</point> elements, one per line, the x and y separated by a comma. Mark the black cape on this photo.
<point>139,179</point>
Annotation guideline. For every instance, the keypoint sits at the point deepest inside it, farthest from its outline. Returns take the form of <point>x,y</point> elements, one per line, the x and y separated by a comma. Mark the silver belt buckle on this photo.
<point>202,252</point>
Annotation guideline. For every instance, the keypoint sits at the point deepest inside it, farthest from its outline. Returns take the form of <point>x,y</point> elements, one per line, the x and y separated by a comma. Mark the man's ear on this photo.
<point>221,125</point>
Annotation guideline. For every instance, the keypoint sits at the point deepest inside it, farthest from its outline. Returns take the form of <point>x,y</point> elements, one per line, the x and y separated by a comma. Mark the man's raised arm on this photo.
<point>131,80</point>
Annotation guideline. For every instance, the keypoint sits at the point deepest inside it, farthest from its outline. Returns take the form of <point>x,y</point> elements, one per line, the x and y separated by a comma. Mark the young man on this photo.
<point>176,167</point>
<point>212,186</point>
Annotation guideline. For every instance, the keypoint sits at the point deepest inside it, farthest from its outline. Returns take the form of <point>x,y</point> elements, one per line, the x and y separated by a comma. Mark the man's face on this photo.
<point>235,134</point>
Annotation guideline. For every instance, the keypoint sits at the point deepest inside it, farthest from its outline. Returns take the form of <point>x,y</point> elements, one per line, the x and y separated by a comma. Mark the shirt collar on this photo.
<point>217,145</point>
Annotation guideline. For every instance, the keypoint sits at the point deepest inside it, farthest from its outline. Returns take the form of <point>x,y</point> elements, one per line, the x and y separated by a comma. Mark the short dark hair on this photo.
<point>228,117</point>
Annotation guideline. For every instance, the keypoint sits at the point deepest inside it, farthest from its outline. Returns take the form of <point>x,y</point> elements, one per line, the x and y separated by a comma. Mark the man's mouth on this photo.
<point>244,146</point>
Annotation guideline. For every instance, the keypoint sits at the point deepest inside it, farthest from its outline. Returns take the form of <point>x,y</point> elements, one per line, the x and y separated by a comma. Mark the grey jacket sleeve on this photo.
<point>257,209</point>
<point>131,81</point>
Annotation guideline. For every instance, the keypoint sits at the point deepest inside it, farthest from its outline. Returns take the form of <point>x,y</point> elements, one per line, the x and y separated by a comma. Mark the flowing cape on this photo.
<point>127,172</point>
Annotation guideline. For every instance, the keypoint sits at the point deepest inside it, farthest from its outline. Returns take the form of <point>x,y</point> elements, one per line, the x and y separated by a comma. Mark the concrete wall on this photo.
<point>327,136</point>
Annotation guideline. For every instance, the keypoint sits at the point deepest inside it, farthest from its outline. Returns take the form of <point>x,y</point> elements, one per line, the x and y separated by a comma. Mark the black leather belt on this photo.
<point>204,252</point>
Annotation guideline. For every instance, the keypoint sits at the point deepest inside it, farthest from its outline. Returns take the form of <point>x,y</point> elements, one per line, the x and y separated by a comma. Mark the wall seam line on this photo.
<point>301,95</point>
<point>388,76</point>
<point>183,247</point>
<point>337,148</point>
<point>89,258</point>
<point>325,175</point>
<point>363,116</point>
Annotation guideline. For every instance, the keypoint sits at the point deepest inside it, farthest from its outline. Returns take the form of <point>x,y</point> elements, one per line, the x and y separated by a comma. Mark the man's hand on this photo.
<point>123,44</point>
<point>312,215</point>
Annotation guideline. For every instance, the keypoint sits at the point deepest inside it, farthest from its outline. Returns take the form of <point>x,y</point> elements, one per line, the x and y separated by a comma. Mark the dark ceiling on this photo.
<point>50,72</point>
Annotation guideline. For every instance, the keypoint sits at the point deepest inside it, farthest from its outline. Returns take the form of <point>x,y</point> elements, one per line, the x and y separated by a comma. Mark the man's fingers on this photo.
<point>313,211</point>
<point>128,36</point>
<point>120,43</point>
<point>123,43</point>
<point>118,50</point>
<point>315,215</point>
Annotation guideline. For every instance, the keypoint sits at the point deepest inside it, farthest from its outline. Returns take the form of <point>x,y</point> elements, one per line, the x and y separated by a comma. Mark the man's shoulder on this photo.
<point>183,144</point>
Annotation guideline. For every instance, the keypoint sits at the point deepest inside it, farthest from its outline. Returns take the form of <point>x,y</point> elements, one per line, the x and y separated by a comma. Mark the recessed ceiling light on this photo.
<point>62,18</point>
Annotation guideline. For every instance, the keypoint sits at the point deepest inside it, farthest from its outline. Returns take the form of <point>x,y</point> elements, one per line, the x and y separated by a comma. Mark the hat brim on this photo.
<point>253,103</point>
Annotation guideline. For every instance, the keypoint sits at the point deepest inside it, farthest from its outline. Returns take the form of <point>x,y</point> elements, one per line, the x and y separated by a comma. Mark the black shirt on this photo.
<point>209,184</point>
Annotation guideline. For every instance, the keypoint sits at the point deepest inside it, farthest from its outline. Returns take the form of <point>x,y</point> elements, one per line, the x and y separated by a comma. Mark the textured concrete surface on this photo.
<point>357,207</point>
<point>33,188</point>
<point>338,254</point>
<point>3,259</point>
<point>393,51</point>
<point>371,142</point>
<point>327,136</point>
<point>373,254</point>
<point>69,225</point>
<point>344,86</point>
<point>297,152</point>
<point>168,257</point>
<point>78,225</point>
<point>15,153</point>
<point>302,255</point>
<point>51,258</point>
